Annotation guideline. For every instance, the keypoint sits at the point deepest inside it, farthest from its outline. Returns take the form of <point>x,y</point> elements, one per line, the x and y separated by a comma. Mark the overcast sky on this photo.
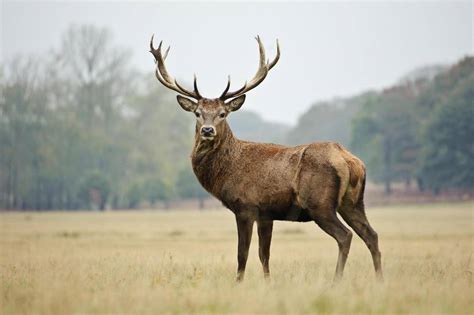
<point>328,49</point>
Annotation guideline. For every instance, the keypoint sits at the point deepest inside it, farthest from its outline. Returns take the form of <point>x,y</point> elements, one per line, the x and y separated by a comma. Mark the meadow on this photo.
<point>184,262</point>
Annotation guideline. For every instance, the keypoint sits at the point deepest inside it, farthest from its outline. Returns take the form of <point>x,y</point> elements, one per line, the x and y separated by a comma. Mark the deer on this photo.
<point>265,182</point>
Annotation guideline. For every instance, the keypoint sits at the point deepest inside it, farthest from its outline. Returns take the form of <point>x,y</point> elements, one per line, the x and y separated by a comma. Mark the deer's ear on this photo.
<point>235,104</point>
<point>186,103</point>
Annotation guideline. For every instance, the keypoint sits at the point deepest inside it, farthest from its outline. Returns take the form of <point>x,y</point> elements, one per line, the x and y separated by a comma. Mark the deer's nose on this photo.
<point>207,130</point>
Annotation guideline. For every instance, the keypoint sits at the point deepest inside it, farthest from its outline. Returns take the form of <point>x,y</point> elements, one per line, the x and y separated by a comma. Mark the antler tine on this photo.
<point>166,52</point>
<point>277,57</point>
<point>163,76</point>
<point>152,49</point>
<point>196,90</point>
<point>260,75</point>
<point>226,88</point>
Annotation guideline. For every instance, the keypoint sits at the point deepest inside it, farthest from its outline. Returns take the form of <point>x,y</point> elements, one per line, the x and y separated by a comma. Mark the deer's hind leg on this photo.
<point>320,195</point>
<point>323,211</point>
<point>343,236</point>
<point>354,215</point>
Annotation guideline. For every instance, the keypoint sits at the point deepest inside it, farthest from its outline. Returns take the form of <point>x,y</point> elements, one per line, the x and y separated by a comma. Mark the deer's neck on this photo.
<point>211,159</point>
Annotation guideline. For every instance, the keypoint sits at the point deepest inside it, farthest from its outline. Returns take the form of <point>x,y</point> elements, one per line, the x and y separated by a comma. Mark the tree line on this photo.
<point>419,130</point>
<point>81,128</point>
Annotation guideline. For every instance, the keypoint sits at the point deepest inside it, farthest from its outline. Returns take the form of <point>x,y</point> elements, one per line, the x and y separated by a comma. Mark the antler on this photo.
<point>263,69</point>
<point>163,76</point>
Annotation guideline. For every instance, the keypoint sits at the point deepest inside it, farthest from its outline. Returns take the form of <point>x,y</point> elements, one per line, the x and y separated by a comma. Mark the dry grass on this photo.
<point>184,262</point>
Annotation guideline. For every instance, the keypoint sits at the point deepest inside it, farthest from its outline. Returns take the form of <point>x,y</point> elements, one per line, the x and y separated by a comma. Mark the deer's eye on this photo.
<point>222,115</point>
<point>197,114</point>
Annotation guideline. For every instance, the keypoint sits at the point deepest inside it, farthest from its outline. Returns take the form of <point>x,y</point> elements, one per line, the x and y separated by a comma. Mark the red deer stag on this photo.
<point>264,182</point>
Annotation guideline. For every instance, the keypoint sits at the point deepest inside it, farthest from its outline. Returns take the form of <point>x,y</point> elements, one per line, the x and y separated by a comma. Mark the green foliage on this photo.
<point>94,191</point>
<point>384,135</point>
<point>249,125</point>
<point>328,121</point>
<point>157,190</point>
<point>447,157</point>
<point>151,190</point>
<point>134,195</point>
<point>188,186</point>
<point>420,130</point>
<point>80,128</point>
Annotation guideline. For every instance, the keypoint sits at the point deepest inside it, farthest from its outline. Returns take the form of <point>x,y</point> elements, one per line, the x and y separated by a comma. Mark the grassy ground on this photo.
<point>184,262</point>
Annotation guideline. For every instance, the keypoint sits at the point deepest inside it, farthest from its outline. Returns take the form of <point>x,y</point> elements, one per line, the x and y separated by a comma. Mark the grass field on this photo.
<point>182,262</point>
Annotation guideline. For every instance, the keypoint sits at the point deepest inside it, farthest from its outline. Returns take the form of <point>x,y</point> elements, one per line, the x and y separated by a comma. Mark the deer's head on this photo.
<point>210,113</point>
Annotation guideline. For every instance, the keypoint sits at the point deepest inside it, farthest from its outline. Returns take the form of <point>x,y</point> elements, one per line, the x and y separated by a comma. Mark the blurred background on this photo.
<point>84,124</point>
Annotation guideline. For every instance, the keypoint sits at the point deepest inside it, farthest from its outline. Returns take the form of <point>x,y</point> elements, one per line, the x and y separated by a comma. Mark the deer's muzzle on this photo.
<point>208,131</point>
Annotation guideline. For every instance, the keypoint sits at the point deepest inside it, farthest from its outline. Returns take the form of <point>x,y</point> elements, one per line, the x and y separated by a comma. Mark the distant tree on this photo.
<point>384,135</point>
<point>23,118</point>
<point>162,133</point>
<point>78,110</point>
<point>188,186</point>
<point>94,191</point>
<point>99,74</point>
<point>328,121</point>
<point>447,159</point>
<point>156,189</point>
<point>249,125</point>
<point>421,129</point>
<point>134,195</point>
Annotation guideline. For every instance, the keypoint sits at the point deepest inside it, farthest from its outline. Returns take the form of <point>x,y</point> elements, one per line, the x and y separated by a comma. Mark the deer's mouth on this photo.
<point>207,138</point>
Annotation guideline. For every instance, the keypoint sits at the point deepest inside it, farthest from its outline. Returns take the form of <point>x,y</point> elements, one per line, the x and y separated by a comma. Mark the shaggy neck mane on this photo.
<point>211,158</point>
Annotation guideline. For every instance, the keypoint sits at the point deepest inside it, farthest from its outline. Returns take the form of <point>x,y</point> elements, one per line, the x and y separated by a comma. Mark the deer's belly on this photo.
<point>292,213</point>
<point>267,204</point>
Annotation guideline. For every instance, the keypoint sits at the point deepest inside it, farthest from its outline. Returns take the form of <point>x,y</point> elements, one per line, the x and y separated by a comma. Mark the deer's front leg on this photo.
<point>244,231</point>
<point>264,239</point>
